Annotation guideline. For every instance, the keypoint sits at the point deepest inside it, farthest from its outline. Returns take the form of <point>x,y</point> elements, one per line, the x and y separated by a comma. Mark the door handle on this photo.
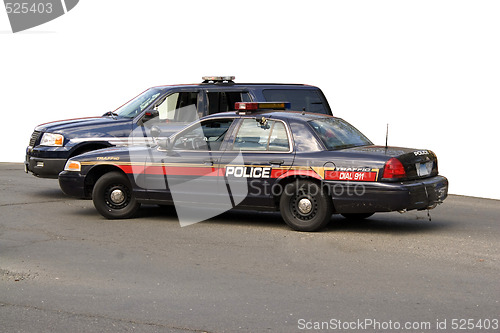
<point>208,162</point>
<point>276,162</point>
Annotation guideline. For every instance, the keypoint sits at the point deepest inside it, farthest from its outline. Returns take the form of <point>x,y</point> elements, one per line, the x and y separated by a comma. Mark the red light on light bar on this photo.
<point>261,105</point>
<point>246,106</point>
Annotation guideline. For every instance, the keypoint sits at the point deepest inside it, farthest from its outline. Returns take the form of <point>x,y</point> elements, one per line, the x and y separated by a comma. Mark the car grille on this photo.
<point>34,138</point>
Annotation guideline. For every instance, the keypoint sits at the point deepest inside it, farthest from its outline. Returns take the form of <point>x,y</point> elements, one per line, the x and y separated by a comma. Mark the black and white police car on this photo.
<point>262,157</point>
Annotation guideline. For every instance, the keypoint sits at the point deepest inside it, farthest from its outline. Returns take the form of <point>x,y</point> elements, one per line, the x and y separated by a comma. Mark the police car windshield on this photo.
<point>338,134</point>
<point>138,104</point>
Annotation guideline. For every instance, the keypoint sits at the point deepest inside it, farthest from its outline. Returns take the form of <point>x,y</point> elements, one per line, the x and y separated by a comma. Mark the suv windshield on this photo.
<point>338,134</point>
<point>135,106</point>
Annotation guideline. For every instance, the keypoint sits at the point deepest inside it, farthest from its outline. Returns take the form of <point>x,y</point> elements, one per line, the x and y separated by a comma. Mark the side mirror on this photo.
<point>155,132</point>
<point>164,144</point>
<point>151,114</point>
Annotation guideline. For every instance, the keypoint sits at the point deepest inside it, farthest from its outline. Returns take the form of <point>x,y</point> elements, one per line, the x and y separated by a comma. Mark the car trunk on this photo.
<point>417,164</point>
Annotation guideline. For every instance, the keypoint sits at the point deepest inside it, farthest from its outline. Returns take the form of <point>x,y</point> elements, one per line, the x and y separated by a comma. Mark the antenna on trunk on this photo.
<point>386,136</point>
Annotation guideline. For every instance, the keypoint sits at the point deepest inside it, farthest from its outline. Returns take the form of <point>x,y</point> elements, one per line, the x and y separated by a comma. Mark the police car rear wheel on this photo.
<point>305,207</point>
<point>113,198</point>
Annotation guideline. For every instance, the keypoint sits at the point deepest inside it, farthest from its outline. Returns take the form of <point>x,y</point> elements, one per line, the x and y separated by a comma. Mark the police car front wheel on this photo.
<point>113,198</point>
<point>304,206</point>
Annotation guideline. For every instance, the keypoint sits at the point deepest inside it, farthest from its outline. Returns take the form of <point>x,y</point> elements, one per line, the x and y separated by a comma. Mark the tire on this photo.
<point>113,197</point>
<point>357,216</point>
<point>304,206</point>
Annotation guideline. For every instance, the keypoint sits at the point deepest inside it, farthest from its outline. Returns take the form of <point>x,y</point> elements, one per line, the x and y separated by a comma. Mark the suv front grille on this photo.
<point>34,138</point>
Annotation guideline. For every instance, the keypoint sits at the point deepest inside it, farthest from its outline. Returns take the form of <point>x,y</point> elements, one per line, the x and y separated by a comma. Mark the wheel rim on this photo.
<point>117,196</point>
<point>304,207</point>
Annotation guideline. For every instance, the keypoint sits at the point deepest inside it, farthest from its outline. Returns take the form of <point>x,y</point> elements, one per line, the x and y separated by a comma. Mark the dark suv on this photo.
<point>165,108</point>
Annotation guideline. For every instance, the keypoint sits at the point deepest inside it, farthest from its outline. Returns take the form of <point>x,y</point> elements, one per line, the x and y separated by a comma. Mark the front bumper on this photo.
<point>46,162</point>
<point>44,167</point>
<point>364,197</point>
<point>72,183</point>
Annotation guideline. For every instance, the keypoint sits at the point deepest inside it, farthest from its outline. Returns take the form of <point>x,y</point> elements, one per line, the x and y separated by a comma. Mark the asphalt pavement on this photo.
<point>64,268</point>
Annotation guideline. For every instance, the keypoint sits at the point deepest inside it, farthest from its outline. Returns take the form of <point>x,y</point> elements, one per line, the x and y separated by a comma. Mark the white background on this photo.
<point>431,69</point>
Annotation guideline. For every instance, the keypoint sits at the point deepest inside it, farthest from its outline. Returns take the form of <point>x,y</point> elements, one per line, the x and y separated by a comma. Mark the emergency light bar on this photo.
<point>252,106</point>
<point>213,79</point>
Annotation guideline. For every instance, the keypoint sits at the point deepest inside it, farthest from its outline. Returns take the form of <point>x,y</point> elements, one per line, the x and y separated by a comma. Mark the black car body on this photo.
<point>168,107</point>
<point>306,165</point>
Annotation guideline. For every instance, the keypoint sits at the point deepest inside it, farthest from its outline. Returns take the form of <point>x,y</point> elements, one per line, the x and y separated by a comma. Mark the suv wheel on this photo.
<point>113,197</point>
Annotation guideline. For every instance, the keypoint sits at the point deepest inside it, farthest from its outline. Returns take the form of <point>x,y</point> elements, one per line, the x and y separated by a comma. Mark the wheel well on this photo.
<point>96,173</point>
<point>88,147</point>
<point>285,181</point>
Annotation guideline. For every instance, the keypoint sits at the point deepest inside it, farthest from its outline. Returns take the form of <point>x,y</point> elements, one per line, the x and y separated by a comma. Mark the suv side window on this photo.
<point>179,107</point>
<point>255,136</point>
<point>222,101</point>
<point>207,135</point>
<point>308,100</point>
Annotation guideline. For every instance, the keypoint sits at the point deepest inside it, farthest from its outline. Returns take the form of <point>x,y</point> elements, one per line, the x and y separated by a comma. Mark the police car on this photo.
<point>262,157</point>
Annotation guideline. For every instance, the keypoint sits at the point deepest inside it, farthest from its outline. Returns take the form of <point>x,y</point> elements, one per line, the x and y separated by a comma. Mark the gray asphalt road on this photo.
<point>64,268</point>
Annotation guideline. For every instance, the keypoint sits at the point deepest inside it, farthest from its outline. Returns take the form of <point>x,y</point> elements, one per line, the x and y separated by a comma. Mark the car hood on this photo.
<point>75,127</point>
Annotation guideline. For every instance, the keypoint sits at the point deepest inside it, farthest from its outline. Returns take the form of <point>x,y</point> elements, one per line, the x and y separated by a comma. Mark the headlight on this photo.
<point>73,166</point>
<point>51,139</point>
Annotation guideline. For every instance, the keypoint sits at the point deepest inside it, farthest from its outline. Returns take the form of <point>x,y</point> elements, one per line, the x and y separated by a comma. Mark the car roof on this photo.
<point>276,114</point>
<point>239,85</point>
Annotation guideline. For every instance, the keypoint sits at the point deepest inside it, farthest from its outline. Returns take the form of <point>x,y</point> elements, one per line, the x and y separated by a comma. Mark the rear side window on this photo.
<point>271,136</point>
<point>308,100</point>
<point>222,101</point>
<point>336,133</point>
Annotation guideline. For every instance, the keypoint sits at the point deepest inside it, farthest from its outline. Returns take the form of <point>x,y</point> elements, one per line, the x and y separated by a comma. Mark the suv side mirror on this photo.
<point>151,114</point>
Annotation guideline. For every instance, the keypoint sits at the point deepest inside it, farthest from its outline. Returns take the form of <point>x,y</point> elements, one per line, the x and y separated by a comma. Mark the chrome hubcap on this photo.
<point>117,196</point>
<point>304,206</point>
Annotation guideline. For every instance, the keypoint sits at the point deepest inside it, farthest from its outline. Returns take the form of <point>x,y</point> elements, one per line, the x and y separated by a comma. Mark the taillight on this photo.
<point>394,169</point>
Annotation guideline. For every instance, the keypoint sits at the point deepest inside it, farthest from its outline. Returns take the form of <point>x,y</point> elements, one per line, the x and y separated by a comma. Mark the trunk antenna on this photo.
<point>386,136</point>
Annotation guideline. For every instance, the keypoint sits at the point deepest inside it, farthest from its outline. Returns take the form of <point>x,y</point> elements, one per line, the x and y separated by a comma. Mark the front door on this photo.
<point>187,174</point>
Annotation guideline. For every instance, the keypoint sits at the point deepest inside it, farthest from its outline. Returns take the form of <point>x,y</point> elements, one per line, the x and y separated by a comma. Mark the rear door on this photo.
<point>258,153</point>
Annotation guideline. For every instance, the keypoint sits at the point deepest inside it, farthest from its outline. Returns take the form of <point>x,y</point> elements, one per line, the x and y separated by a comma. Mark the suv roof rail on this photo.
<point>218,79</point>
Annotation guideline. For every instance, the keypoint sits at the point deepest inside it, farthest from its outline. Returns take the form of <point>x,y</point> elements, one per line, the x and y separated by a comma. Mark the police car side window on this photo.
<point>207,135</point>
<point>257,136</point>
<point>278,140</point>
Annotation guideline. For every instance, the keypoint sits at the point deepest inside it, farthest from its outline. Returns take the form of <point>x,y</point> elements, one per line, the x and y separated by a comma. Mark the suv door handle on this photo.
<point>276,162</point>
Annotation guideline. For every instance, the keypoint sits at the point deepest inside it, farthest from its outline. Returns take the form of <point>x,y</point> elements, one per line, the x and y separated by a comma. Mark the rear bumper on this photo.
<point>360,197</point>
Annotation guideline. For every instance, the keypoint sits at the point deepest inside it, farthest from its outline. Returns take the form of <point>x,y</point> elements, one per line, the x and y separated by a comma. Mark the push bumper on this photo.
<point>361,197</point>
